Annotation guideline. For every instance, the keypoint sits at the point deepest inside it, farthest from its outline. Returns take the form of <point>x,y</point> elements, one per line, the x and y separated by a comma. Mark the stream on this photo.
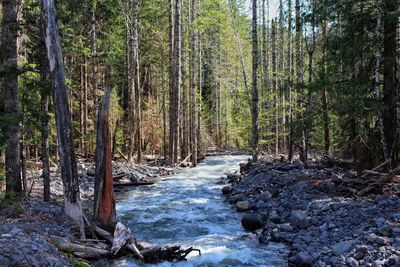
<point>189,209</point>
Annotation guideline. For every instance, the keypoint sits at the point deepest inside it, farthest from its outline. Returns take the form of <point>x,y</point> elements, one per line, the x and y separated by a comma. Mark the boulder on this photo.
<point>302,259</point>
<point>252,222</point>
<point>342,248</point>
<point>242,205</point>
<point>226,190</point>
<point>352,262</point>
<point>275,217</point>
<point>91,172</point>
<point>299,219</point>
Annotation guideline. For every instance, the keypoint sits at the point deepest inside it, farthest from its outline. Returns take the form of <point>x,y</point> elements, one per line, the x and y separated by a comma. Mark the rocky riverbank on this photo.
<point>315,210</point>
<point>25,226</point>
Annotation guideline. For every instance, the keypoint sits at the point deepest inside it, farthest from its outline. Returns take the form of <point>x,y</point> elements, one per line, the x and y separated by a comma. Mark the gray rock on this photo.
<point>226,190</point>
<point>342,248</point>
<point>274,217</point>
<point>242,205</point>
<point>300,219</point>
<point>302,259</point>
<point>377,263</point>
<point>15,231</point>
<point>265,195</point>
<point>252,222</point>
<point>382,240</point>
<point>352,262</point>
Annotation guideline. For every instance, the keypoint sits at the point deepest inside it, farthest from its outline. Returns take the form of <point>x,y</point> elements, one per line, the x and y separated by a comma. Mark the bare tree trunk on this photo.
<point>44,103</point>
<point>94,60</point>
<point>192,83</point>
<point>164,111</point>
<point>281,86</point>
<point>136,76</point>
<point>327,141</point>
<point>254,93</point>
<point>175,94</point>
<point>66,150</point>
<point>9,59</point>
<point>104,202</point>
<point>310,50</point>
<point>171,79</point>
<point>185,133</point>
<point>274,85</point>
<point>85,109</point>
<point>200,85</point>
<point>126,92</point>
<point>389,70</point>
<point>290,83</point>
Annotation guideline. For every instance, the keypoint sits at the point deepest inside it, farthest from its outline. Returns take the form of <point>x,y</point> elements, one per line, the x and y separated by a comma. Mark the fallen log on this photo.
<point>119,175</point>
<point>132,184</point>
<point>175,253</point>
<point>122,236</point>
<point>79,250</point>
<point>107,236</point>
<point>184,161</point>
<point>380,182</point>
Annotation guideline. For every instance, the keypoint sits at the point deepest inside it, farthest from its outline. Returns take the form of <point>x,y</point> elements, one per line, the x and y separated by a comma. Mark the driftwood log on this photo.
<point>132,184</point>
<point>174,253</point>
<point>82,251</point>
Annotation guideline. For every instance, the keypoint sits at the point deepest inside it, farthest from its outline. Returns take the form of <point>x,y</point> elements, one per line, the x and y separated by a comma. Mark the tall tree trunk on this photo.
<point>200,85</point>
<point>85,109</point>
<point>192,83</point>
<point>104,202</point>
<point>389,71</point>
<point>185,133</point>
<point>281,86</point>
<point>9,59</point>
<point>44,104</point>
<point>175,94</point>
<point>126,92</point>
<point>299,65</point>
<point>324,96</point>
<point>171,79</point>
<point>310,50</point>
<point>289,71</point>
<point>274,85</point>
<point>254,91</point>
<point>94,60</point>
<point>136,76</point>
<point>164,111</point>
<point>66,150</point>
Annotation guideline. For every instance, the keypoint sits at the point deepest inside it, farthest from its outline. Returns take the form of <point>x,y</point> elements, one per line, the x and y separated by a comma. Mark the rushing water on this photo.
<point>188,209</point>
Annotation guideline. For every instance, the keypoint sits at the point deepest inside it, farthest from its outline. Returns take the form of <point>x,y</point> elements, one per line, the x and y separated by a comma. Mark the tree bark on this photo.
<point>274,85</point>
<point>94,60</point>
<point>192,83</point>
<point>66,150</point>
<point>254,92</point>
<point>104,202</point>
<point>45,130</point>
<point>324,96</point>
<point>389,70</point>
<point>289,71</point>
<point>185,132</point>
<point>9,59</point>
<point>175,94</point>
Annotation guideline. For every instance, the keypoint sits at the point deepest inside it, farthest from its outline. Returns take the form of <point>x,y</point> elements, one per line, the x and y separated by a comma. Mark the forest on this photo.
<point>294,103</point>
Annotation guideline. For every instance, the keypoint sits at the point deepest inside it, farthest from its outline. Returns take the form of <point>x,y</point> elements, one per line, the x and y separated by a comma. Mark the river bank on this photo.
<point>27,224</point>
<point>316,212</point>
